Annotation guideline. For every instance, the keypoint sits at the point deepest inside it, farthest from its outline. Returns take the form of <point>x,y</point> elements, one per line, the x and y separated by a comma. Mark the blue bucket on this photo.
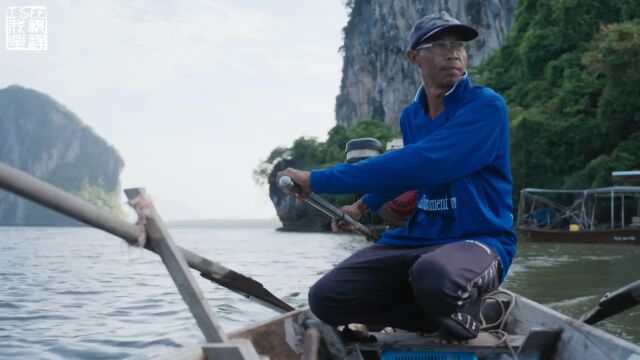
<point>427,355</point>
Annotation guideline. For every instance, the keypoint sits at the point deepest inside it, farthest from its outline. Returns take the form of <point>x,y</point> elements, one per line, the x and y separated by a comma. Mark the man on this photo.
<point>457,246</point>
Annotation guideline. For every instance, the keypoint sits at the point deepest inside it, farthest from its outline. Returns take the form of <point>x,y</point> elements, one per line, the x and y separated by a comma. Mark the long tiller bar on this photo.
<point>285,182</point>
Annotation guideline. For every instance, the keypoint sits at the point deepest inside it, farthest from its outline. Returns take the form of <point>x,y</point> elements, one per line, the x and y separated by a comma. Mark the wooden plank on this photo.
<point>279,338</point>
<point>162,243</point>
<point>311,344</point>
<point>237,349</point>
<point>539,344</point>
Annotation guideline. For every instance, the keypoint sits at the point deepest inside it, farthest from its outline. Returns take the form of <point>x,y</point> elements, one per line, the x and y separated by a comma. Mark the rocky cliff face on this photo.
<point>377,80</point>
<point>43,138</point>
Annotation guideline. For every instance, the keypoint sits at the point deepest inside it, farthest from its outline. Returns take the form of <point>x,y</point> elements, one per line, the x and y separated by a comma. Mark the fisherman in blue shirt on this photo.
<point>458,245</point>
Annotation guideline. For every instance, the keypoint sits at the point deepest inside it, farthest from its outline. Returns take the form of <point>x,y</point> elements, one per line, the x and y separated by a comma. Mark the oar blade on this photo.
<point>614,303</point>
<point>249,288</point>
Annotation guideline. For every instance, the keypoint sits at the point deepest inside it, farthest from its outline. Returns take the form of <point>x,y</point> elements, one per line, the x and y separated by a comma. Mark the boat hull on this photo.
<point>283,338</point>
<point>615,236</point>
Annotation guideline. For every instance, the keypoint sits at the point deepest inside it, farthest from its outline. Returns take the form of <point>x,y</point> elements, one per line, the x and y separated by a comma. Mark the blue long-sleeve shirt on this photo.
<point>459,161</point>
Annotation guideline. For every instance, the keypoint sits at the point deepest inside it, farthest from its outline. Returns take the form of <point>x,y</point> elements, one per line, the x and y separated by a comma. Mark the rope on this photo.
<point>500,323</point>
<point>140,205</point>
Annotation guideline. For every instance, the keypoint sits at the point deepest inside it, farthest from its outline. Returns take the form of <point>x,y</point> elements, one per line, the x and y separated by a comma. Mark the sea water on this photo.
<point>79,293</point>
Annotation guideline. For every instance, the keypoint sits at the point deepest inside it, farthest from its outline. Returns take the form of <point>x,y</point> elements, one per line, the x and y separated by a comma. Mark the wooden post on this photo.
<point>521,205</point>
<point>612,209</point>
<point>622,212</point>
<point>163,245</point>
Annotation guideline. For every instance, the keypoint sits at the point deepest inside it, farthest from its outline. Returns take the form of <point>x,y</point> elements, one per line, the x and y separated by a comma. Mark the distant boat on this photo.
<point>609,215</point>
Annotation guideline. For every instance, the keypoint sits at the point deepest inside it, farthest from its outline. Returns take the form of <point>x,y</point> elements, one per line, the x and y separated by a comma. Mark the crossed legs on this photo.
<point>412,288</point>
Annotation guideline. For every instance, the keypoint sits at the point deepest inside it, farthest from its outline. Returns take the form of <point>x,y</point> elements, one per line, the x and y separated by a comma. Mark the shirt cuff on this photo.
<point>319,179</point>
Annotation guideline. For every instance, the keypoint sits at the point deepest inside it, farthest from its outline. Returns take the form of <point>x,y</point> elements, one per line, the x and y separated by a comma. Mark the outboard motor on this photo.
<point>362,148</point>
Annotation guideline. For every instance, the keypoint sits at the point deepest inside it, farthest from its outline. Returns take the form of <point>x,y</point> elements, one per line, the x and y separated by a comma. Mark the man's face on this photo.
<point>442,63</point>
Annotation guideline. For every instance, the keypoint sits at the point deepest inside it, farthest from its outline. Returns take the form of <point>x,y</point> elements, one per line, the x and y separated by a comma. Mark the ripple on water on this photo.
<point>80,292</point>
<point>134,344</point>
<point>81,353</point>
<point>10,305</point>
<point>35,317</point>
<point>571,302</point>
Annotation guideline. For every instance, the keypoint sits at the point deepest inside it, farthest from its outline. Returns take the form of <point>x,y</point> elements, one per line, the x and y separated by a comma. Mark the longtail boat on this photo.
<point>514,327</point>
<point>608,215</point>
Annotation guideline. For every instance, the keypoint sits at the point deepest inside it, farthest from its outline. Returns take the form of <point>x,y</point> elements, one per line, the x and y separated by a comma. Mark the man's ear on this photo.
<point>411,56</point>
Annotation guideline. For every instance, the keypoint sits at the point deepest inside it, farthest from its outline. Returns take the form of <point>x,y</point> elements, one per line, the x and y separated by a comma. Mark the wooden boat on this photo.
<point>519,328</point>
<point>529,331</point>
<point>577,216</point>
<point>615,236</point>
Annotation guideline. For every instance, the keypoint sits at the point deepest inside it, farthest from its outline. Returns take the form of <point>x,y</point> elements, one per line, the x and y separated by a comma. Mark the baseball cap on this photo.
<point>437,23</point>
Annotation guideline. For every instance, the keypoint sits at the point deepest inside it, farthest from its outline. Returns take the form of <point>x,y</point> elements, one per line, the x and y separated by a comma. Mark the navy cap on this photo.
<point>436,23</point>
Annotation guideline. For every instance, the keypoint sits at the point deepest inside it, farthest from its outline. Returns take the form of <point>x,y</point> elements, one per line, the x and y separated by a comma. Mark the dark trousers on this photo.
<point>412,288</point>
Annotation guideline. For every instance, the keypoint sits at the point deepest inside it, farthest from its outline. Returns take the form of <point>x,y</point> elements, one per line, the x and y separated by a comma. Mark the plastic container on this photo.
<point>427,355</point>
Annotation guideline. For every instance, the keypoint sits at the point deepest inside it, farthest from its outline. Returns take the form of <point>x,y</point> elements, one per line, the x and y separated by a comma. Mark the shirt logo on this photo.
<point>439,204</point>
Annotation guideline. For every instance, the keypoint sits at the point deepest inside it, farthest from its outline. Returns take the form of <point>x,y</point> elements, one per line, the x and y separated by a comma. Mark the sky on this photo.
<point>193,94</point>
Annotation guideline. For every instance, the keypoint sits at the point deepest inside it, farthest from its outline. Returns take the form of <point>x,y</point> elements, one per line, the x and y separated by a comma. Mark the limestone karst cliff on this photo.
<point>43,138</point>
<point>377,80</point>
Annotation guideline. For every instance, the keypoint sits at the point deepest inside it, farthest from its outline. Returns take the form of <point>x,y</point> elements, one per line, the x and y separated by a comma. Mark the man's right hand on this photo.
<point>300,177</point>
<point>355,211</point>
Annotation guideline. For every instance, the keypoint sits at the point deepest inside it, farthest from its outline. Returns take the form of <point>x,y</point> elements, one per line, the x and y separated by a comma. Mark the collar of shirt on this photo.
<point>453,95</point>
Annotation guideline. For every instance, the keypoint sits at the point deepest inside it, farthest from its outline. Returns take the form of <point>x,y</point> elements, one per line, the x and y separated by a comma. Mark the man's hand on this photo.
<point>300,177</point>
<point>354,210</point>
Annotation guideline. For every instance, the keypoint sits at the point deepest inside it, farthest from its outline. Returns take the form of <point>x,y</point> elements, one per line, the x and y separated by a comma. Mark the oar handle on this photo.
<point>326,207</point>
<point>286,182</point>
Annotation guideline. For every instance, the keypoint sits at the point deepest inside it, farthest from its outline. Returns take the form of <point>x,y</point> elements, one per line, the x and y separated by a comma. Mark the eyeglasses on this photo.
<point>442,45</point>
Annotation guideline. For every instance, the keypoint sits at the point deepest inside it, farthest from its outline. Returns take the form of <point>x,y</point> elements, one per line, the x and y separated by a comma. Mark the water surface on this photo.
<point>79,293</point>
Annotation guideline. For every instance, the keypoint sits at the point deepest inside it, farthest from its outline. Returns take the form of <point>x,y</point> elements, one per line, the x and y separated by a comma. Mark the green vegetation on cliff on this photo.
<point>569,72</point>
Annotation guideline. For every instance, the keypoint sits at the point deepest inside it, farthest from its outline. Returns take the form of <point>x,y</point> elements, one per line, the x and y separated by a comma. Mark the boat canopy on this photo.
<point>604,190</point>
<point>632,177</point>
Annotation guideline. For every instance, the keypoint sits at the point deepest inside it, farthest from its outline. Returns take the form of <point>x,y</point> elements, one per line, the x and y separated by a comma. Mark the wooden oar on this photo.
<point>326,207</point>
<point>38,191</point>
<point>614,303</point>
